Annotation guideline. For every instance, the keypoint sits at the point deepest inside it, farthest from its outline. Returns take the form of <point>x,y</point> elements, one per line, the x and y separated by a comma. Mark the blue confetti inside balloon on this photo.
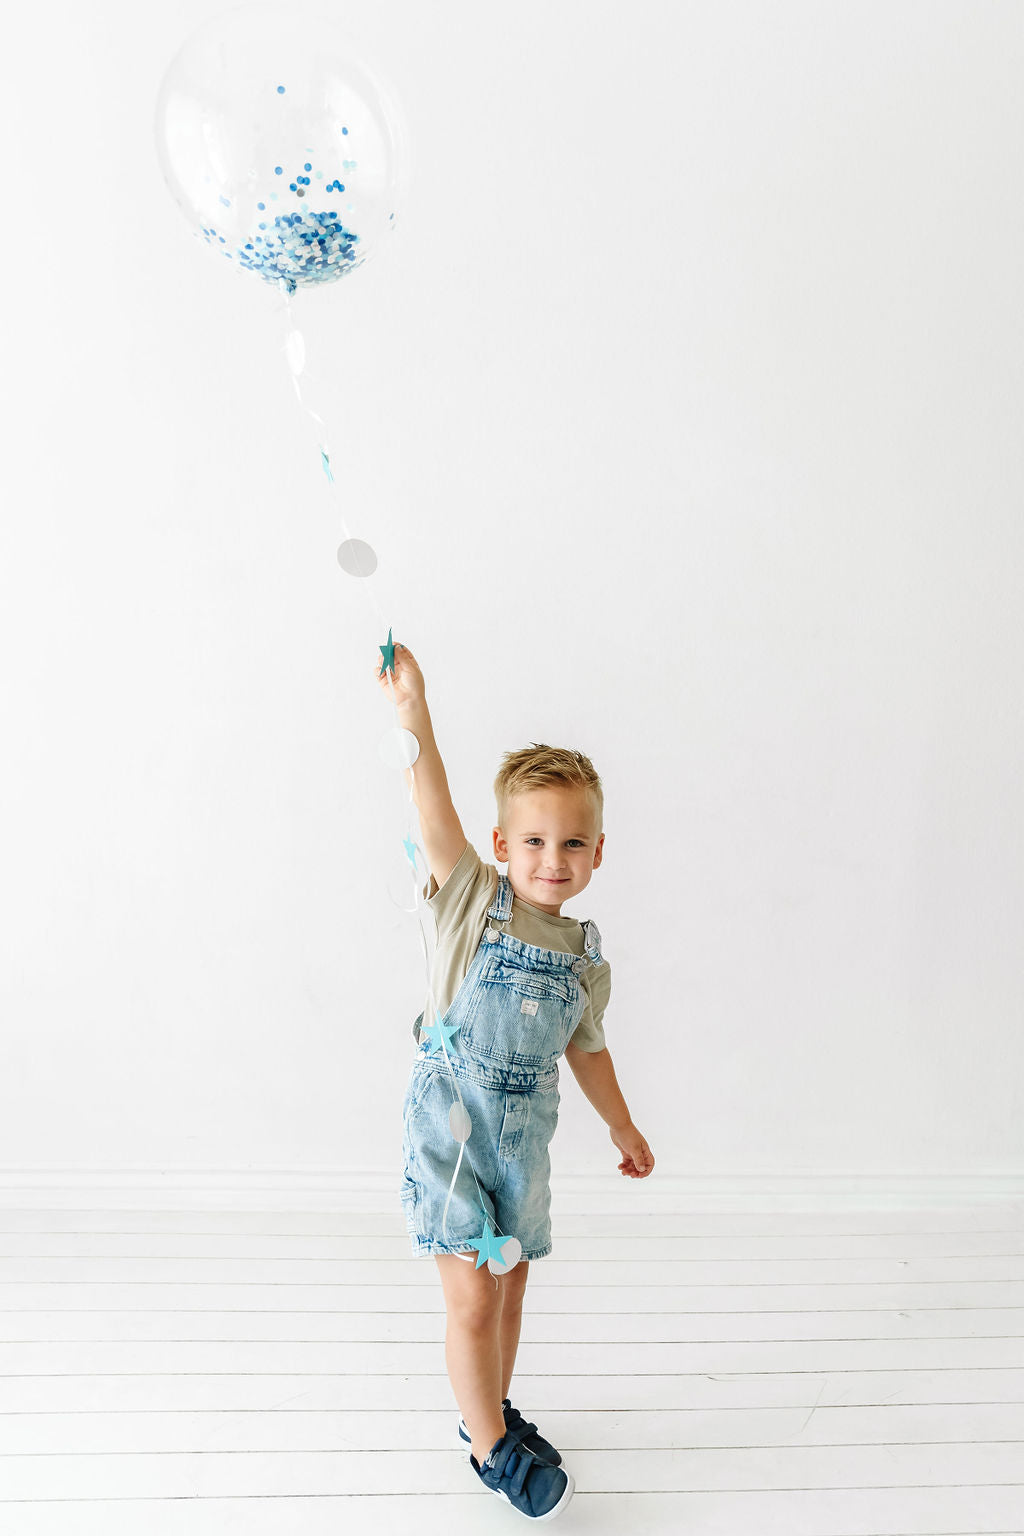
<point>301,249</point>
<point>226,137</point>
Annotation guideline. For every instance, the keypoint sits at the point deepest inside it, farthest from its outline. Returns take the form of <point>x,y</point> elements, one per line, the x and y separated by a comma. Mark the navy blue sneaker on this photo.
<point>519,1476</point>
<point>514,1420</point>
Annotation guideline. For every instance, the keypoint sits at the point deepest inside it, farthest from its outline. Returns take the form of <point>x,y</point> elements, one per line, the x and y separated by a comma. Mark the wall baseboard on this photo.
<point>376,1189</point>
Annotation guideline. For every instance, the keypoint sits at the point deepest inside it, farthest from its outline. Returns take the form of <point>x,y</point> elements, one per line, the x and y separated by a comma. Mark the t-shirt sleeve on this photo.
<point>463,893</point>
<point>589,1032</point>
<point>457,907</point>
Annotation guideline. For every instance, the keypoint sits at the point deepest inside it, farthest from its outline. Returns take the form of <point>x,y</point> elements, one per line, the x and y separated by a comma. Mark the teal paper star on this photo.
<point>326,462</point>
<point>388,652</point>
<point>435,1031</point>
<point>410,849</point>
<point>490,1246</point>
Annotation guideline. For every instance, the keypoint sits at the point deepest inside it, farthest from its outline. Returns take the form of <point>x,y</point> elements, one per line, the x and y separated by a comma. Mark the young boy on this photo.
<point>523,985</point>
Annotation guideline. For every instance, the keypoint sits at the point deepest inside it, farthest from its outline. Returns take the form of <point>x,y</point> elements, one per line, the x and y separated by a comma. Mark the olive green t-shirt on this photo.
<point>460,913</point>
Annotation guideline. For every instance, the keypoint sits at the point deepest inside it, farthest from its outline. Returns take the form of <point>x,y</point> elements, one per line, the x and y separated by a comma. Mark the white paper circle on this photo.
<point>357,558</point>
<point>398,747</point>
<point>511,1253</point>
<point>459,1123</point>
<point>295,350</point>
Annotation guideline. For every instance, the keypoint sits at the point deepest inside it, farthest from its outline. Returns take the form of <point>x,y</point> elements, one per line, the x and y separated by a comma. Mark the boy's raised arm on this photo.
<point>443,836</point>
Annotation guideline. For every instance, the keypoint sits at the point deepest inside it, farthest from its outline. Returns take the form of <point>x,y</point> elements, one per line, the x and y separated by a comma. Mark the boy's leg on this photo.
<point>473,1302</point>
<point>513,1288</point>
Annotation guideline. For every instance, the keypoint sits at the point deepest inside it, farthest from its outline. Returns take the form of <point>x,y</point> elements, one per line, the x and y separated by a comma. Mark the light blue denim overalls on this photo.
<point>516,1009</point>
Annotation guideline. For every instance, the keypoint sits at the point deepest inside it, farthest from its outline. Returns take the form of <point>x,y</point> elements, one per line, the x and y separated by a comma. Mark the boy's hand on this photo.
<point>406,680</point>
<point>637,1157</point>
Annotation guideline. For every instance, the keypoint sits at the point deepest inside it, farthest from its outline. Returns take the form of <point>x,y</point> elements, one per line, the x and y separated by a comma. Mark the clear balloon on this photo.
<point>282,146</point>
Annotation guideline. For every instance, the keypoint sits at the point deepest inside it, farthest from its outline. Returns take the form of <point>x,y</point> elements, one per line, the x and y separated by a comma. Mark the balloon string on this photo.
<point>463,1147</point>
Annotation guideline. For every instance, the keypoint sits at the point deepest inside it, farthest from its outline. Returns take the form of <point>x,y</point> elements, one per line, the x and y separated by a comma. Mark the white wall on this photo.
<point>684,415</point>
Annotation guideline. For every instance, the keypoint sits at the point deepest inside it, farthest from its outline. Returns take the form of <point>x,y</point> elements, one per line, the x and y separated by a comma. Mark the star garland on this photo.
<point>435,1031</point>
<point>388,652</point>
<point>489,1246</point>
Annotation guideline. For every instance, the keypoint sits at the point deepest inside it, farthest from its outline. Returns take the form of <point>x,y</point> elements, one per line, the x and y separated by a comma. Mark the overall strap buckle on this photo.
<point>592,941</point>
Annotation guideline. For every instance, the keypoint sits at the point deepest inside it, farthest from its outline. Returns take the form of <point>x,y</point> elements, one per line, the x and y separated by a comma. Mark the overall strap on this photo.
<point>501,907</point>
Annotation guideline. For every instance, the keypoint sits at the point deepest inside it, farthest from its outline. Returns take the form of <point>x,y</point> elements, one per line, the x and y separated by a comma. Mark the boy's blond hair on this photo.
<point>539,766</point>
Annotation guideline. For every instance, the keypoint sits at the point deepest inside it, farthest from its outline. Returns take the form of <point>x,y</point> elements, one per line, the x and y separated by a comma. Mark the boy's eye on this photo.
<point>571,840</point>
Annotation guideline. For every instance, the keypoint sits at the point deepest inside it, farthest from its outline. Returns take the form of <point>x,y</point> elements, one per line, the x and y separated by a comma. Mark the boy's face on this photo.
<point>550,837</point>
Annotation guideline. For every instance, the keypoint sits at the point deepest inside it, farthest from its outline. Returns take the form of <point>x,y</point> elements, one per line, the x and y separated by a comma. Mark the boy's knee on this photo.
<point>476,1309</point>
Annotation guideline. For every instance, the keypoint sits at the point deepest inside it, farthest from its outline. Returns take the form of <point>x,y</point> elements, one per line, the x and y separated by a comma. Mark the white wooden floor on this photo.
<point>268,1373</point>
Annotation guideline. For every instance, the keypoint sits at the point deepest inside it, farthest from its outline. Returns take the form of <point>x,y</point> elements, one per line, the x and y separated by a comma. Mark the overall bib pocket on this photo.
<point>522,1015</point>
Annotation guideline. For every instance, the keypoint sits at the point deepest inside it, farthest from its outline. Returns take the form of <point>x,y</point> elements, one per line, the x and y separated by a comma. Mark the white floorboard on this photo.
<point>201,1373</point>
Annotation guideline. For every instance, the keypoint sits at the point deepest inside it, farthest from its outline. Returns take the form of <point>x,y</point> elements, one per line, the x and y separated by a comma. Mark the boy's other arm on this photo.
<point>443,836</point>
<point>594,1072</point>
